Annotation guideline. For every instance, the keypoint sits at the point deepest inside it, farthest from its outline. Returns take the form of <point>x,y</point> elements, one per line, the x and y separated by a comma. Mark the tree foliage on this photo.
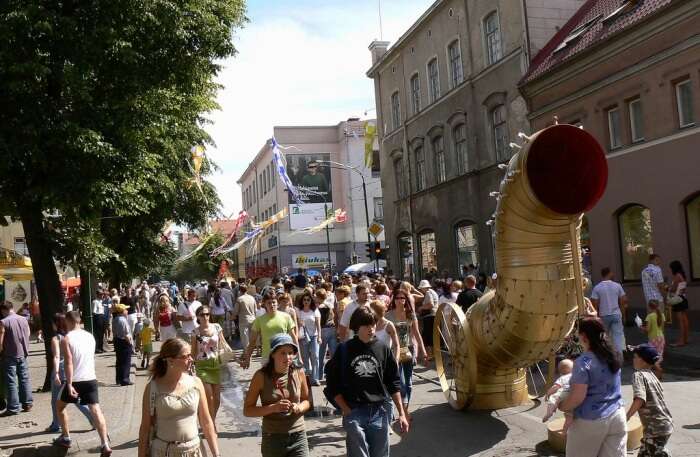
<point>101,103</point>
<point>200,266</point>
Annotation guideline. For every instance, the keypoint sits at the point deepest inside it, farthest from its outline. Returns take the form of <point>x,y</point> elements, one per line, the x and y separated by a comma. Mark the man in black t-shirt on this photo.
<point>470,294</point>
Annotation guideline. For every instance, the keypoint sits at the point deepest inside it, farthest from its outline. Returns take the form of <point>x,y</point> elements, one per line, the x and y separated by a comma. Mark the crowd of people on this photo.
<point>361,336</point>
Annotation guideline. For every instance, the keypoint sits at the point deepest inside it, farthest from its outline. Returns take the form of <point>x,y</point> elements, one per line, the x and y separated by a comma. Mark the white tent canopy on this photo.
<point>365,267</point>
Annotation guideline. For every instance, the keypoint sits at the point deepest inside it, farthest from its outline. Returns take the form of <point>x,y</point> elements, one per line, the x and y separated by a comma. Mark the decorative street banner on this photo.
<point>338,216</point>
<point>311,260</point>
<point>311,180</point>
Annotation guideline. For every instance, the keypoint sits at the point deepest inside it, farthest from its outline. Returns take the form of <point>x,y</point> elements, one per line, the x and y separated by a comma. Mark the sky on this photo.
<point>299,62</point>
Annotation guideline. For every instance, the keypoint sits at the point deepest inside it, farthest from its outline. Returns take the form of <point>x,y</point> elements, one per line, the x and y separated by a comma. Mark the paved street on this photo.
<point>437,429</point>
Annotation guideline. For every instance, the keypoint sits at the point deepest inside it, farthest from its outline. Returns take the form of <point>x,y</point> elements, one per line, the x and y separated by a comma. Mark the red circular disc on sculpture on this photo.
<point>567,169</point>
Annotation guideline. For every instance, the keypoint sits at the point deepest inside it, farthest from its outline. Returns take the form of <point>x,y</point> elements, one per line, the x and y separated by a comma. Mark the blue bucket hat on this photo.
<point>647,352</point>
<point>282,339</point>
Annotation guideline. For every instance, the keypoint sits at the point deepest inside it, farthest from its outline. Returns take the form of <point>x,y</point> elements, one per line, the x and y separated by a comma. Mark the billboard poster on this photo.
<point>18,292</point>
<point>312,180</point>
<point>307,215</point>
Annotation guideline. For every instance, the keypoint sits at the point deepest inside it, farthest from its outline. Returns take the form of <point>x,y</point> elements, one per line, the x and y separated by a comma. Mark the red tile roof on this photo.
<point>222,226</point>
<point>591,18</point>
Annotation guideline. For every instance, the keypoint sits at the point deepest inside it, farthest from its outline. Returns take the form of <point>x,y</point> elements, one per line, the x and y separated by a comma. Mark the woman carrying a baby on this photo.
<point>599,425</point>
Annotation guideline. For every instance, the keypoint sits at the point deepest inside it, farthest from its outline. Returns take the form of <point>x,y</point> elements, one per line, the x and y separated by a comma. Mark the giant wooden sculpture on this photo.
<point>558,174</point>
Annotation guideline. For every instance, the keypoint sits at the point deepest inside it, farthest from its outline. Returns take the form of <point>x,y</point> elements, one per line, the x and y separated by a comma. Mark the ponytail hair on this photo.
<point>170,349</point>
<point>594,330</point>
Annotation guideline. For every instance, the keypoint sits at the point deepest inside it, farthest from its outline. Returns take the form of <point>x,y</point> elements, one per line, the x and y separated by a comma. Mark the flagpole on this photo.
<point>379,5</point>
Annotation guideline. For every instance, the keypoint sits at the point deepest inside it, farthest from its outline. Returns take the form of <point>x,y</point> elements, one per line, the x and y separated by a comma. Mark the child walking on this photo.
<point>650,403</point>
<point>146,343</point>
<point>654,327</point>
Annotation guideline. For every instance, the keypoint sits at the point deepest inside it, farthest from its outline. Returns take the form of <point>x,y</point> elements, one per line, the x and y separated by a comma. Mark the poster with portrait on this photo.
<point>18,292</point>
<point>312,180</point>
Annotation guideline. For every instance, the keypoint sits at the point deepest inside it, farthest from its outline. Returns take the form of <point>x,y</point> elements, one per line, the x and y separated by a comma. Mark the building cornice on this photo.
<point>408,34</point>
<point>614,78</point>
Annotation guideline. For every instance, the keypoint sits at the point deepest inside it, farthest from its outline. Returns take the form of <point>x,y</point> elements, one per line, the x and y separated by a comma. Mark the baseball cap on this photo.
<point>647,352</point>
<point>282,339</point>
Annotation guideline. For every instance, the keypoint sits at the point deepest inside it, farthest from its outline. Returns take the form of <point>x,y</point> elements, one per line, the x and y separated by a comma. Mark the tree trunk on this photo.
<point>48,285</point>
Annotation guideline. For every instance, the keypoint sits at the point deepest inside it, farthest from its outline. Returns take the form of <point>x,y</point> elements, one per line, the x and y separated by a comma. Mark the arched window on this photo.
<point>492,38</point>
<point>500,131</point>
<point>467,245</point>
<point>406,255</point>
<point>692,217</point>
<point>439,156</point>
<point>428,253</point>
<point>635,240</point>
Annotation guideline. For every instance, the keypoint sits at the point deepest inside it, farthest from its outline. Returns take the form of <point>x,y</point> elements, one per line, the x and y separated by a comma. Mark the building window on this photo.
<point>399,176</point>
<point>692,215</point>
<point>455,56</point>
<point>500,132</point>
<point>272,174</point>
<point>614,128</point>
<point>428,253</point>
<point>376,166</point>
<point>395,110</point>
<point>433,80</point>
<point>415,93</point>
<point>406,256</point>
<point>684,101</point>
<point>378,209</point>
<point>420,169</point>
<point>460,138</point>
<point>439,154</point>
<point>21,246</point>
<point>635,240</point>
<point>636,120</point>
<point>467,245</point>
<point>492,38</point>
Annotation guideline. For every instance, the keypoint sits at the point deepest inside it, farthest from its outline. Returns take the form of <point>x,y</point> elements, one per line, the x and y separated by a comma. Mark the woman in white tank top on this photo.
<point>385,330</point>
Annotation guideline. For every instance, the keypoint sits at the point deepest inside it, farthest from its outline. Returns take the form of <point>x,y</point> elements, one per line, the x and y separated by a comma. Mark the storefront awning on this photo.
<point>15,266</point>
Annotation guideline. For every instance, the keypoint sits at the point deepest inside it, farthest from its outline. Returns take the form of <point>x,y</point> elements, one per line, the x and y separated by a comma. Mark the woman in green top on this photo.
<point>284,396</point>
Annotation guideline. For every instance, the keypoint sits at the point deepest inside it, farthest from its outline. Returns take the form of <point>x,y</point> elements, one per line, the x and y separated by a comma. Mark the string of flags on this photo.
<point>242,216</point>
<point>338,216</point>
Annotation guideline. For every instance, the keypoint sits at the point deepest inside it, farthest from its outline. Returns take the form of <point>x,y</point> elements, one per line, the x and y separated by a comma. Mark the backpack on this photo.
<point>342,348</point>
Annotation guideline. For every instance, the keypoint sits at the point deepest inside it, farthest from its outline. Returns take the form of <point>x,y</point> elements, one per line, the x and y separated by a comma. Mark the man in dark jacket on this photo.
<point>363,379</point>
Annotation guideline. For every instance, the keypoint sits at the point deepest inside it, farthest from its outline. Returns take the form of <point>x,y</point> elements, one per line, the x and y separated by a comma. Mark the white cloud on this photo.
<point>298,64</point>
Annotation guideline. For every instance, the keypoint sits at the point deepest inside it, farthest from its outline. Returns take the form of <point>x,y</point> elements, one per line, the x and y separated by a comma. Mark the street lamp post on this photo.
<point>338,165</point>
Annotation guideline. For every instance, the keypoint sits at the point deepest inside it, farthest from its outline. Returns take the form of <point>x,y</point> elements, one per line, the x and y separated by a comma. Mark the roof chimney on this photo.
<point>378,49</point>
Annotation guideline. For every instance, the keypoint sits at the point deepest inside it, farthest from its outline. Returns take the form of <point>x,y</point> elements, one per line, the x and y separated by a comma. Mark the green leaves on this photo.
<point>101,104</point>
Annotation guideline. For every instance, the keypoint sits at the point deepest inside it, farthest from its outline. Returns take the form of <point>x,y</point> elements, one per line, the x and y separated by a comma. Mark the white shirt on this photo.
<point>347,314</point>
<point>451,298</point>
<point>97,307</point>
<point>185,309</point>
<point>608,294</point>
<point>82,349</point>
<point>308,322</point>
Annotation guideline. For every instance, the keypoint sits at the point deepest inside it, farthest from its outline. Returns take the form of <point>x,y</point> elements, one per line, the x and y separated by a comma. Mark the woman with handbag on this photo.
<point>174,404</point>
<point>403,315</point>
<point>679,302</point>
<point>207,341</point>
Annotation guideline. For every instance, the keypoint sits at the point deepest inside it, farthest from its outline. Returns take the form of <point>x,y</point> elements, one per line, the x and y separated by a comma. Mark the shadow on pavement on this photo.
<point>692,427</point>
<point>330,435</point>
<point>457,434</point>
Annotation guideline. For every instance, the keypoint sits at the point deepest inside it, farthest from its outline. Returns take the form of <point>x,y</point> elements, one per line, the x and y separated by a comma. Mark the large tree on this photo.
<point>101,102</point>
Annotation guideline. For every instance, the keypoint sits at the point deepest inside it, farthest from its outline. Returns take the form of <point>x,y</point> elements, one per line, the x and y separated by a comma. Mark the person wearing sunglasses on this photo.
<point>207,339</point>
<point>309,321</point>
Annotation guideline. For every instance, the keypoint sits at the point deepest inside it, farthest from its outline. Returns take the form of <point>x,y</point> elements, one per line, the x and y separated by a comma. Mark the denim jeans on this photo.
<point>367,430</point>
<point>309,351</point>
<point>16,375</point>
<point>284,445</point>
<point>329,340</point>
<point>615,331</point>
<point>55,391</point>
<point>406,377</point>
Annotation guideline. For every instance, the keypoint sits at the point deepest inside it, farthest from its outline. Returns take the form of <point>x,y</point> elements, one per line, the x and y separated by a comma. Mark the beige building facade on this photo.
<point>448,107</point>
<point>631,77</point>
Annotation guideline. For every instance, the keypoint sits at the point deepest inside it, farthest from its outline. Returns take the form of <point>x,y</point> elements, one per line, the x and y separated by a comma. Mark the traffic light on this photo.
<point>370,250</point>
<point>377,250</point>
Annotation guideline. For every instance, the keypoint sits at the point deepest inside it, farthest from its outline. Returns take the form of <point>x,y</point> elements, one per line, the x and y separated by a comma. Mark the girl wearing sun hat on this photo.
<point>284,398</point>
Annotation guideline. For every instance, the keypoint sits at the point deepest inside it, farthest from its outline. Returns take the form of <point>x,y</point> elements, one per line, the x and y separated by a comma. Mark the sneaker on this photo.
<point>63,441</point>
<point>26,408</point>
<point>8,413</point>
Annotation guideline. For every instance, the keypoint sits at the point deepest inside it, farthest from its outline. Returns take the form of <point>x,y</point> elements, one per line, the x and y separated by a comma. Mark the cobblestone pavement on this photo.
<point>436,431</point>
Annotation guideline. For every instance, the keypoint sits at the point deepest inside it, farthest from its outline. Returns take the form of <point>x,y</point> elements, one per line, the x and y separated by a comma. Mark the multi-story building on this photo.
<point>628,72</point>
<point>448,107</point>
<point>308,150</point>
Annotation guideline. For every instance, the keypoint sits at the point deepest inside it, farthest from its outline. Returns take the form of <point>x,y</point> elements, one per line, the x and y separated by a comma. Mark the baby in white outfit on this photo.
<point>559,391</point>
